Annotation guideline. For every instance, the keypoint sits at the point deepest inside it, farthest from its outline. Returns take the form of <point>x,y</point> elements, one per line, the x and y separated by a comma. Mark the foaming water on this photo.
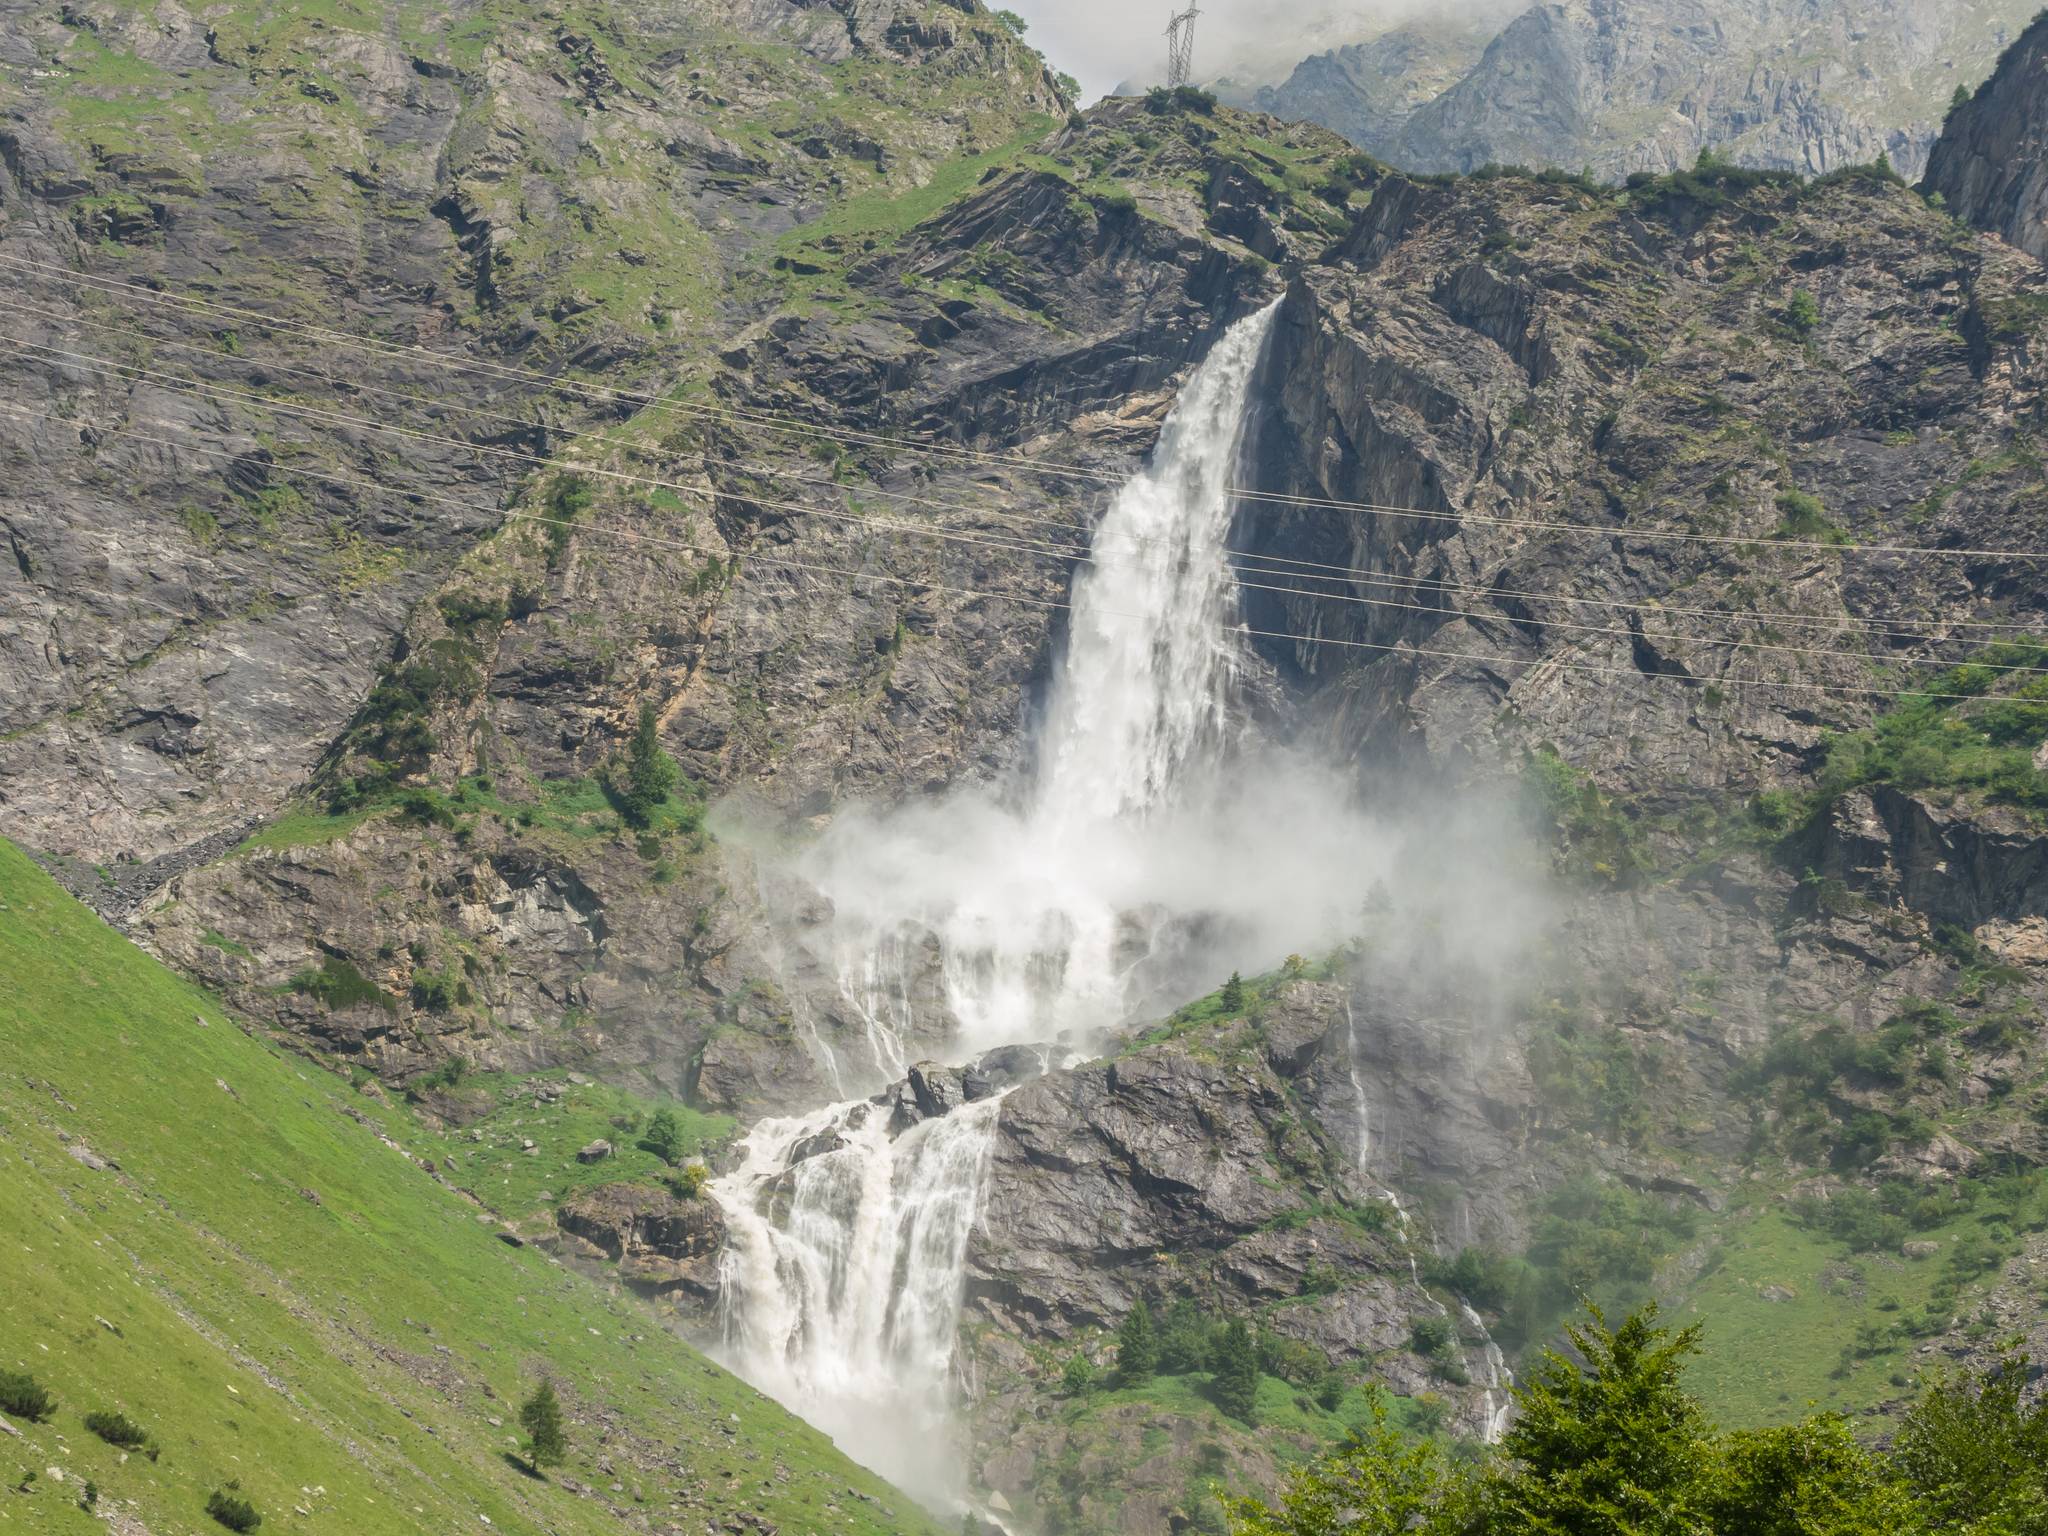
<point>841,1280</point>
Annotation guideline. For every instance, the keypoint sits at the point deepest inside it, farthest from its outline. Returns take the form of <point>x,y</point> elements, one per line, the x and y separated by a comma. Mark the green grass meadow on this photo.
<point>282,1297</point>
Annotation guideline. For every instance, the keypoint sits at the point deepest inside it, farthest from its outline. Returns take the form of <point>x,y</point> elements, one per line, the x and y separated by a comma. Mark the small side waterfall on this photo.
<point>1498,1399</point>
<point>1500,1380</point>
<point>842,1281</point>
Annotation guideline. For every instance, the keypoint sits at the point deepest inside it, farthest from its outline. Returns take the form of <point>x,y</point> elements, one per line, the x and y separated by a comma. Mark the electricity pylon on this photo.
<point>1180,47</point>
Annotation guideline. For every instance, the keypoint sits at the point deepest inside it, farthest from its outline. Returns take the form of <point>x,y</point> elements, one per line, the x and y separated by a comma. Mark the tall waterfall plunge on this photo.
<point>1122,871</point>
<point>1121,868</point>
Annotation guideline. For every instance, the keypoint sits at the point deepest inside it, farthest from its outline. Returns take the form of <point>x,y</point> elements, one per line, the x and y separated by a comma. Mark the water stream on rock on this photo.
<point>843,1275</point>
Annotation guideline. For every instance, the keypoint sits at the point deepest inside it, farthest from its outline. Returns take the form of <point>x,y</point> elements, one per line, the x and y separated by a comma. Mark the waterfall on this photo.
<point>1500,1380</point>
<point>841,1279</point>
<point>1497,1400</point>
<point>1047,912</point>
<point>842,1282</point>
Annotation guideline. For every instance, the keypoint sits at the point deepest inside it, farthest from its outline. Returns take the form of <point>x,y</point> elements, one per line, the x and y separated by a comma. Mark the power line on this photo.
<point>1265,564</point>
<point>574,525</point>
<point>791,425</point>
<point>199,389</point>
<point>1248,560</point>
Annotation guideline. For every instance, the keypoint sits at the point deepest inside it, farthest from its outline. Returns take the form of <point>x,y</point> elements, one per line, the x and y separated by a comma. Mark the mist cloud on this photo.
<point>1102,45</point>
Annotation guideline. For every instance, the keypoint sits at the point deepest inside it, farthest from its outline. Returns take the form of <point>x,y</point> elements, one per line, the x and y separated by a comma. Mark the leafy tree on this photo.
<point>541,1417</point>
<point>1183,1339</point>
<point>1380,1485</point>
<point>1233,994</point>
<point>1804,1479</point>
<point>664,1137</point>
<point>648,776</point>
<point>1609,1443</point>
<point>1977,1454</point>
<point>689,1182</point>
<point>1803,313</point>
<point>1137,1347</point>
<point>1236,1364</point>
<point>1430,1336</point>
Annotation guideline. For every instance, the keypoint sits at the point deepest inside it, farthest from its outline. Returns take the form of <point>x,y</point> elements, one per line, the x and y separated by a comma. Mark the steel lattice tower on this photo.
<point>1180,47</point>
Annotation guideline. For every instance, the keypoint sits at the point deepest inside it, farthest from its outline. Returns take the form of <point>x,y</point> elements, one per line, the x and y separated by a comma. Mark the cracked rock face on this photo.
<point>660,1242</point>
<point>1454,366</point>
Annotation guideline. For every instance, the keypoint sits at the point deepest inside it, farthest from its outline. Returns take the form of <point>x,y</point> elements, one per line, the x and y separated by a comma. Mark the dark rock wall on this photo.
<point>1988,163</point>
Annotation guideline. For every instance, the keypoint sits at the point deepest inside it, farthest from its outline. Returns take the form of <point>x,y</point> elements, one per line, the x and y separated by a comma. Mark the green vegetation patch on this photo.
<point>560,1114</point>
<point>1974,731</point>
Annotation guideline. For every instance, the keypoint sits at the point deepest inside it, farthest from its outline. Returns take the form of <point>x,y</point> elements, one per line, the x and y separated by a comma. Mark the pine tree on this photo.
<point>541,1418</point>
<point>1236,1387</point>
<point>1078,1379</point>
<point>1137,1347</point>
<point>664,1137</point>
<point>649,774</point>
<point>1609,1441</point>
<point>1233,994</point>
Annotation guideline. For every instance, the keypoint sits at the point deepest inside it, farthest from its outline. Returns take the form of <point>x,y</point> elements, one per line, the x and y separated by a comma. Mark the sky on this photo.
<point>1103,42</point>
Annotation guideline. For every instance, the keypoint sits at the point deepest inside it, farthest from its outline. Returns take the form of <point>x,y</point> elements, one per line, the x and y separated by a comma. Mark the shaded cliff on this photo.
<point>1988,164</point>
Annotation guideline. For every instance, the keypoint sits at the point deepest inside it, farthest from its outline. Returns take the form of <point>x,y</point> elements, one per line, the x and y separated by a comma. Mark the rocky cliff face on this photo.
<point>1368,90</point>
<point>1619,86</point>
<point>1988,163</point>
<point>793,657</point>
<point>218,528</point>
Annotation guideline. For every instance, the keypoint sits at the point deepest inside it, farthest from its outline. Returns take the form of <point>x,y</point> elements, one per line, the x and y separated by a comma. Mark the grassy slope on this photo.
<point>295,1343</point>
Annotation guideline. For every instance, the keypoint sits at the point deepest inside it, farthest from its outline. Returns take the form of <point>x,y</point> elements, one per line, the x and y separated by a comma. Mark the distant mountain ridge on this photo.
<point>1618,86</point>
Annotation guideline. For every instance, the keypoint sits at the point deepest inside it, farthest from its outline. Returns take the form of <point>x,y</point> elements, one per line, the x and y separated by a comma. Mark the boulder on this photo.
<point>596,1152</point>
<point>660,1241</point>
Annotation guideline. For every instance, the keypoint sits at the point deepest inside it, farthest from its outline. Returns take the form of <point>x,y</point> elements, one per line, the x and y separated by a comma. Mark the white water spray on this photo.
<point>841,1279</point>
